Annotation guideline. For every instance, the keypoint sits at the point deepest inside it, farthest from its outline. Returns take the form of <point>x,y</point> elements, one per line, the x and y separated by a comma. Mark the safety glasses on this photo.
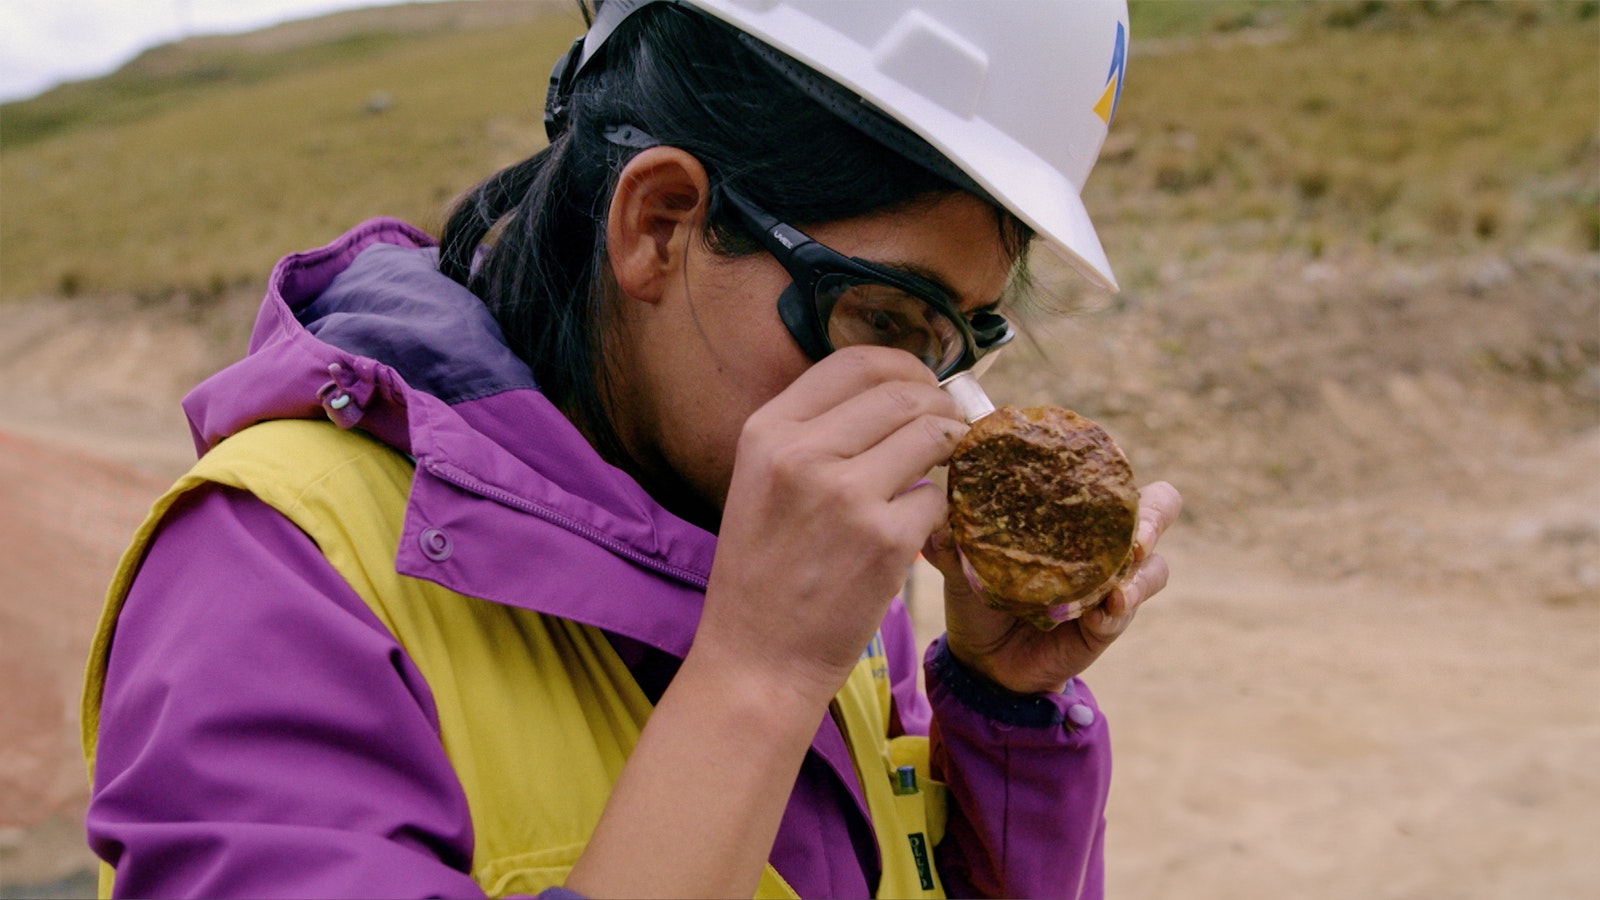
<point>838,301</point>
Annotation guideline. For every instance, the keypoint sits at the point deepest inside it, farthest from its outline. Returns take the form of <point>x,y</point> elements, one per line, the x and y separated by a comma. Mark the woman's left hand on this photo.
<point>1015,656</point>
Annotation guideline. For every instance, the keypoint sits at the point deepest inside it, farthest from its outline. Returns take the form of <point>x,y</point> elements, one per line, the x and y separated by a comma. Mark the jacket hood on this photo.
<point>381,330</point>
<point>369,334</point>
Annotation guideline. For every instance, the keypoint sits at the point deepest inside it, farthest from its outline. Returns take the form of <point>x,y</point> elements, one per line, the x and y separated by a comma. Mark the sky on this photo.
<point>46,42</point>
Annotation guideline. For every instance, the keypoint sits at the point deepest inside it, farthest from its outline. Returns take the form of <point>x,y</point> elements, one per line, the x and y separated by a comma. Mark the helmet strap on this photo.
<point>558,97</point>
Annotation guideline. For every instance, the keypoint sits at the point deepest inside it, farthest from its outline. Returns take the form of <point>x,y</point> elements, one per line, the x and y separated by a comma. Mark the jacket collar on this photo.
<point>368,333</point>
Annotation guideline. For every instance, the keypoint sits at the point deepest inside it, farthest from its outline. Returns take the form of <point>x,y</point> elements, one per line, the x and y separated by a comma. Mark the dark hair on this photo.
<point>692,83</point>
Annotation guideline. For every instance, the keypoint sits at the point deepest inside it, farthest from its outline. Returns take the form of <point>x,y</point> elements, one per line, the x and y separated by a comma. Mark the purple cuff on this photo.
<point>1026,711</point>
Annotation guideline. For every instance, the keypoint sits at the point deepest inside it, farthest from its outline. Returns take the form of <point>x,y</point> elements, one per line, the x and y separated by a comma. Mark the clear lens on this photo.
<point>868,312</point>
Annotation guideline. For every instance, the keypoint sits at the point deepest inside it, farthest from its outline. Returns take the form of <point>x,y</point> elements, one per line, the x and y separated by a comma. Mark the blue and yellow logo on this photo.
<point>1106,107</point>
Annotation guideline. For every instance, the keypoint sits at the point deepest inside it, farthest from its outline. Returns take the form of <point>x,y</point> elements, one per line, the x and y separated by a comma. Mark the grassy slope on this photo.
<point>1411,128</point>
<point>211,180</point>
<point>1410,133</point>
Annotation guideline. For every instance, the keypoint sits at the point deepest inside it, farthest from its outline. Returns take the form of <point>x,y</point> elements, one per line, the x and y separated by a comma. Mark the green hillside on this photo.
<point>1413,127</point>
<point>193,170</point>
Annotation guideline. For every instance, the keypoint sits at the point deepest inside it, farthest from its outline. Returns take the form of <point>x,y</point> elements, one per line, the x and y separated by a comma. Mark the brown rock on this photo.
<point>1044,507</point>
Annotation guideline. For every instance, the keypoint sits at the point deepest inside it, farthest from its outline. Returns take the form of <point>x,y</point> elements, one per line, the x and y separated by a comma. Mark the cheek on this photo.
<point>735,356</point>
<point>753,354</point>
<point>753,366</point>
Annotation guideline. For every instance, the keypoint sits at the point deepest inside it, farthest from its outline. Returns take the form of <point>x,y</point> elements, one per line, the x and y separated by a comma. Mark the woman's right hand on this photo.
<point>826,511</point>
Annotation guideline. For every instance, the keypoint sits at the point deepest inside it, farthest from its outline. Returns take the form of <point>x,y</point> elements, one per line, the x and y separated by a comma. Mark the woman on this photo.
<point>574,596</point>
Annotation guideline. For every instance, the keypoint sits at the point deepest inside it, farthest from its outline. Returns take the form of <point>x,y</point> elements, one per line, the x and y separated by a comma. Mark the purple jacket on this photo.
<point>262,734</point>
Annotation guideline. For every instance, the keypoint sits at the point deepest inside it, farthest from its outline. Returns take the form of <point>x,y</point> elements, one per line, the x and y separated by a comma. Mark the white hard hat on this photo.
<point>1018,94</point>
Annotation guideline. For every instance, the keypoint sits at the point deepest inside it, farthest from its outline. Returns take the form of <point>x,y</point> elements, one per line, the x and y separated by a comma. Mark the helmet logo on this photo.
<point>1106,106</point>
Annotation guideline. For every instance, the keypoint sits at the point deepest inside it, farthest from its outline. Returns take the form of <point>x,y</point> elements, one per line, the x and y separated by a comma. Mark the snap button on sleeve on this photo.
<point>1080,715</point>
<point>435,544</point>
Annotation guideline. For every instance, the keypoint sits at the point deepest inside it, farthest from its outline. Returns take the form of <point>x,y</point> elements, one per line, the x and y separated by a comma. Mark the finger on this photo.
<point>919,512</point>
<point>941,552</point>
<point>1148,579</point>
<point>940,545</point>
<point>913,417</point>
<point>1159,506</point>
<point>1108,620</point>
<point>903,457</point>
<point>842,375</point>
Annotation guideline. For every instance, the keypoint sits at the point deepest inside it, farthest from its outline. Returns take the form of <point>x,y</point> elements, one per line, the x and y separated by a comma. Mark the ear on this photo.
<point>657,210</point>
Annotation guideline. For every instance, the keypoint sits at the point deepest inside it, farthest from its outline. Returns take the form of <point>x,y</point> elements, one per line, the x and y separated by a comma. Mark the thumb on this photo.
<point>940,550</point>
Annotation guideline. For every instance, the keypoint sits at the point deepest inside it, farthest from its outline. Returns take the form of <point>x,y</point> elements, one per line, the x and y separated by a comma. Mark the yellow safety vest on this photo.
<point>537,714</point>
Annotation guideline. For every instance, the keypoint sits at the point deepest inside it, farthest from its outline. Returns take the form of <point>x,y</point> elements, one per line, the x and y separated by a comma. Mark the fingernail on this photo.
<point>973,581</point>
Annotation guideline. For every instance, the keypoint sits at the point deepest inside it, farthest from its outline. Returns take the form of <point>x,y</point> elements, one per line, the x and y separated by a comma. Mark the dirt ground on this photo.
<point>1376,671</point>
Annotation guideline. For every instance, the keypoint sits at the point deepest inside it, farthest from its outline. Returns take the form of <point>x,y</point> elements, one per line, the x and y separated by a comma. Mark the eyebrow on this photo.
<point>938,281</point>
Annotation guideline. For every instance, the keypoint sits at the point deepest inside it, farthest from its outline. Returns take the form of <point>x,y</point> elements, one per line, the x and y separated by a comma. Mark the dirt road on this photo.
<point>1279,735</point>
<point>64,518</point>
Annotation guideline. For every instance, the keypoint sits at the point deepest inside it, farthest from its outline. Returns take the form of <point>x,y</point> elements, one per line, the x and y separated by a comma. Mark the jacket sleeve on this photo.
<point>261,732</point>
<point>1028,780</point>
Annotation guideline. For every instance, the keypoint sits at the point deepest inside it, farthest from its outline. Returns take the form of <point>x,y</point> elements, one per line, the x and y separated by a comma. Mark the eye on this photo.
<point>887,325</point>
<point>885,316</point>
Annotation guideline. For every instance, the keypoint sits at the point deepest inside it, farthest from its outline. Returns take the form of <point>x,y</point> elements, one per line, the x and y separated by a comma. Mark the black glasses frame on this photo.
<point>809,262</point>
